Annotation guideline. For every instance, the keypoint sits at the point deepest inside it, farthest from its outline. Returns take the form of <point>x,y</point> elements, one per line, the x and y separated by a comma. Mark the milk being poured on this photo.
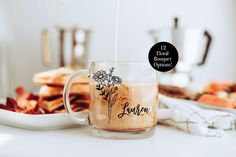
<point>116,29</point>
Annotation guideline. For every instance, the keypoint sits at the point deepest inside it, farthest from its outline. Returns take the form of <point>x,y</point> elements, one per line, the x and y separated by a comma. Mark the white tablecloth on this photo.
<point>78,142</point>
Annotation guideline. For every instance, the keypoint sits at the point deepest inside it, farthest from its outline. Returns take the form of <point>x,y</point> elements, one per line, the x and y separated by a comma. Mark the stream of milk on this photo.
<point>116,29</point>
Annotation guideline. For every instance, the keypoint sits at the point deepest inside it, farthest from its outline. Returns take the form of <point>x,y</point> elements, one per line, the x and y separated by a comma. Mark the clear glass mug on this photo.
<point>123,99</point>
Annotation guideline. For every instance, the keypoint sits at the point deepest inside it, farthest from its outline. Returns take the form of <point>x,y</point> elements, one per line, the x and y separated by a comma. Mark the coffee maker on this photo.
<point>193,45</point>
<point>73,45</point>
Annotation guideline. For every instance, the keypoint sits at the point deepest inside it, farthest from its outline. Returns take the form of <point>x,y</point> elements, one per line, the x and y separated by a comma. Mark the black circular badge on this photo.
<point>163,56</point>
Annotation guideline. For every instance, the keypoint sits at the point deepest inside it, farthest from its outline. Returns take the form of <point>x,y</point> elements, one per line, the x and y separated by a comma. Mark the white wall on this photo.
<point>28,17</point>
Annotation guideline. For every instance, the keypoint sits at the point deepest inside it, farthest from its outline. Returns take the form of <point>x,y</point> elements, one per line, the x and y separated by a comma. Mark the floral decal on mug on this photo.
<point>107,87</point>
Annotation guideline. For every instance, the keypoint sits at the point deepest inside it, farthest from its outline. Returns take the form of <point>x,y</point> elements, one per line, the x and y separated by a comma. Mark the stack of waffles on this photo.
<point>51,91</point>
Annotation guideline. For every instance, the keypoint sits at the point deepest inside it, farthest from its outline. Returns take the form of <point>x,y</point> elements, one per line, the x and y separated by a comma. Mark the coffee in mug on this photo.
<point>123,99</point>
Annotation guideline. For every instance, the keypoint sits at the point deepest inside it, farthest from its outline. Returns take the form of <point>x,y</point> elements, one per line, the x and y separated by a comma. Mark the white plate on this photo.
<point>207,106</point>
<point>35,122</point>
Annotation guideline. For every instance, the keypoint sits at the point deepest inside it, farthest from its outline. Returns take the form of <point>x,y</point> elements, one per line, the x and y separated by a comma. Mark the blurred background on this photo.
<point>31,33</point>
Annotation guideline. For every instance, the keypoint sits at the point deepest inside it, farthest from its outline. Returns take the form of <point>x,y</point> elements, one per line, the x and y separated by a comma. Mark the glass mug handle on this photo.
<point>77,117</point>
